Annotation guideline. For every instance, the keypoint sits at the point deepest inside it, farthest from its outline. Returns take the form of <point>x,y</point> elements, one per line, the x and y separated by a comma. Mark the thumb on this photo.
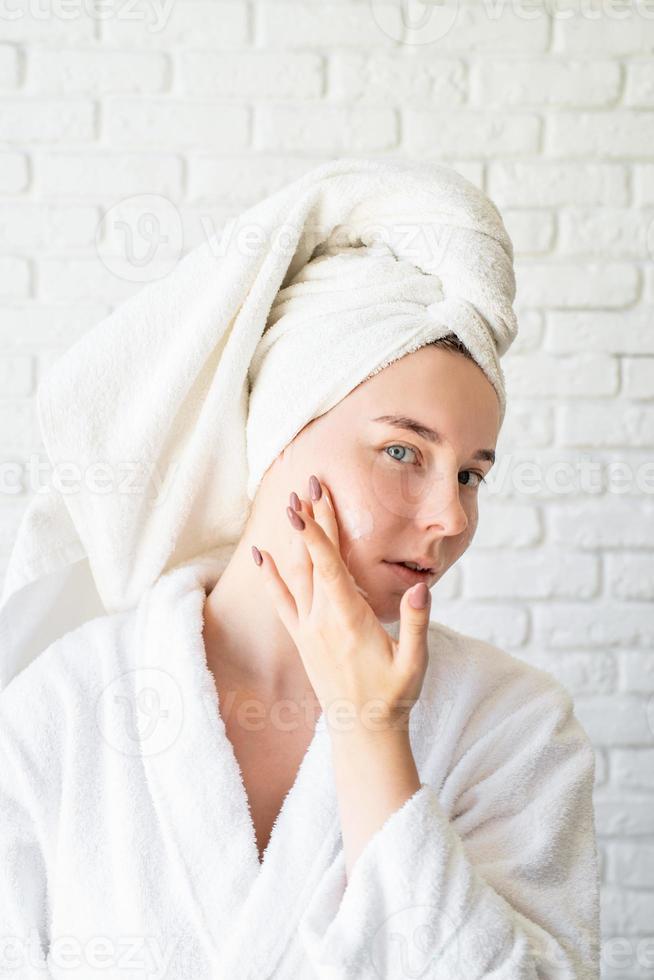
<point>414,626</point>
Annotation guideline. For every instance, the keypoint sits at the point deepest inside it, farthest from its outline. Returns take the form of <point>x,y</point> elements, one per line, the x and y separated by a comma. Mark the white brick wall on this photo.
<point>550,108</point>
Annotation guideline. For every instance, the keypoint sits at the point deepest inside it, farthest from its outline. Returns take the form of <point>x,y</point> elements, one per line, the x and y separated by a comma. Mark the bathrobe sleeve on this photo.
<point>23,934</point>
<point>505,887</point>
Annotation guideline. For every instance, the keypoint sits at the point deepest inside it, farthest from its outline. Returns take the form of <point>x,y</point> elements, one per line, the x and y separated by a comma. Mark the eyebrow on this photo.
<point>402,422</point>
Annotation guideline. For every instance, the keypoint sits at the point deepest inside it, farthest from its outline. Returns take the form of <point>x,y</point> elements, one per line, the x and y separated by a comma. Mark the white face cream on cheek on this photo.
<point>358,523</point>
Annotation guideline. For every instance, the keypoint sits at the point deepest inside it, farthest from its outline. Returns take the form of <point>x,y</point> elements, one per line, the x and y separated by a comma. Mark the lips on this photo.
<point>425,564</point>
<point>409,575</point>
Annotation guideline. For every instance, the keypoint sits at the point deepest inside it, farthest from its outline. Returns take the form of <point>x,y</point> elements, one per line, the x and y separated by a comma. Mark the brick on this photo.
<point>624,814</point>
<point>16,375</point>
<point>625,913</point>
<point>603,524</point>
<point>531,231</point>
<point>601,777</point>
<point>620,233</point>
<point>523,426</point>
<point>28,226</point>
<point>547,82</point>
<point>70,71</point>
<point>445,134</point>
<point>448,587</point>
<point>379,75</point>
<point>46,120</point>
<point>581,673</point>
<point>324,128</point>
<point>291,25</point>
<point>639,85</point>
<point>175,123</point>
<point>628,332</point>
<point>494,27</point>
<point>568,624</point>
<point>638,377</point>
<point>501,624</point>
<point>546,183</point>
<point>636,668</point>
<point>588,284</point>
<point>14,278</point>
<point>107,175</point>
<point>614,719</point>
<point>32,327</point>
<point>618,133</point>
<point>644,183</point>
<point>633,768</point>
<point>558,474</point>
<point>240,179</point>
<point>64,23</point>
<point>630,576</point>
<point>14,174</point>
<point>507,525</point>
<point>616,424</point>
<point>530,332</point>
<point>604,35</point>
<point>9,67</point>
<point>19,428</point>
<point>472,170</point>
<point>529,575</point>
<point>188,24</point>
<point>81,280</point>
<point>542,375</point>
<point>251,74</point>
<point>633,866</point>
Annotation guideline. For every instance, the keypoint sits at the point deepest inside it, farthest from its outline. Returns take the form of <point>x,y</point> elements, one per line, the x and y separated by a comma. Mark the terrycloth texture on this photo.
<point>127,847</point>
<point>153,407</point>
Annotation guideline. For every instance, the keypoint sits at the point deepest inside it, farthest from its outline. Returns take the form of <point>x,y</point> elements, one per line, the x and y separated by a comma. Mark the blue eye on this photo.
<point>475,486</point>
<point>403,448</point>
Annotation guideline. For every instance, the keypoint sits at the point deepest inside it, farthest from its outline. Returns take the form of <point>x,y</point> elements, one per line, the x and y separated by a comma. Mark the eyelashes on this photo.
<point>398,445</point>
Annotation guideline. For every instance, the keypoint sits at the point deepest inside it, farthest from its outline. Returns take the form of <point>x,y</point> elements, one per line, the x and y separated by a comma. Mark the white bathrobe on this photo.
<point>127,849</point>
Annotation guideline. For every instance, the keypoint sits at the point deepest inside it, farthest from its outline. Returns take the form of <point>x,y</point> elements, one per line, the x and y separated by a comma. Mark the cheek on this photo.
<point>397,491</point>
<point>357,521</point>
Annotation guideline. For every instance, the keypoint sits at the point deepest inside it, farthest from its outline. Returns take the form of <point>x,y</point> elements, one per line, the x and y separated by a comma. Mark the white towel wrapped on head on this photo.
<point>158,393</point>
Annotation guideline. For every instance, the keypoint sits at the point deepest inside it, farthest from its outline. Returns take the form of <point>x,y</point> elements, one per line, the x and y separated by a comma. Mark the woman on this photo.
<point>252,772</point>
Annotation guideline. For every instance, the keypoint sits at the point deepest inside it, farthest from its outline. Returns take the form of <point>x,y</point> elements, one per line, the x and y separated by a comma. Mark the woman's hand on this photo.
<point>347,654</point>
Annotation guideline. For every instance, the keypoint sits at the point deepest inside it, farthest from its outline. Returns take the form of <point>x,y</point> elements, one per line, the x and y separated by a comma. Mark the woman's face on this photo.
<point>398,494</point>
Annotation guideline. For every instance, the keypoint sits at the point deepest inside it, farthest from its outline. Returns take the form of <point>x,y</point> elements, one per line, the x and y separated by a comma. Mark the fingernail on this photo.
<point>295,519</point>
<point>295,501</point>
<point>315,488</point>
<point>256,554</point>
<point>419,595</point>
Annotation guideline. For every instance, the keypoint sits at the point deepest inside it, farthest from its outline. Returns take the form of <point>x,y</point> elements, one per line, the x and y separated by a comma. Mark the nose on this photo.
<point>444,508</point>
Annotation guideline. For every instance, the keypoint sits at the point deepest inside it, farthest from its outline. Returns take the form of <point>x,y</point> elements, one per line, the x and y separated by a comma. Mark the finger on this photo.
<point>323,509</point>
<point>277,589</point>
<point>413,636</point>
<point>300,574</point>
<point>330,573</point>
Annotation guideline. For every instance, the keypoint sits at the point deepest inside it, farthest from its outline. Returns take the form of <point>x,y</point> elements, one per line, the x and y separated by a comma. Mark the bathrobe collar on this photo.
<point>199,795</point>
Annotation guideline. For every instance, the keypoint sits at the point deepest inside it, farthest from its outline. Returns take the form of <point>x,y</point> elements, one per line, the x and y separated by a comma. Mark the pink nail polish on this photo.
<point>314,488</point>
<point>295,501</point>
<point>295,519</point>
<point>419,596</point>
<point>256,554</point>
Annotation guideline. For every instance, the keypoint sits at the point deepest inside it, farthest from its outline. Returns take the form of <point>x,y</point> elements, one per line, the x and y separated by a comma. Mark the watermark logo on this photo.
<point>141,712</point>
<point>415,21</point>
<point>140,239</point>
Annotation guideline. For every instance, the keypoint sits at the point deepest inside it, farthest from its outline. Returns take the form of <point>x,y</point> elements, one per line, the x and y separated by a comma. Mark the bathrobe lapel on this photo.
<point>245,912</point>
